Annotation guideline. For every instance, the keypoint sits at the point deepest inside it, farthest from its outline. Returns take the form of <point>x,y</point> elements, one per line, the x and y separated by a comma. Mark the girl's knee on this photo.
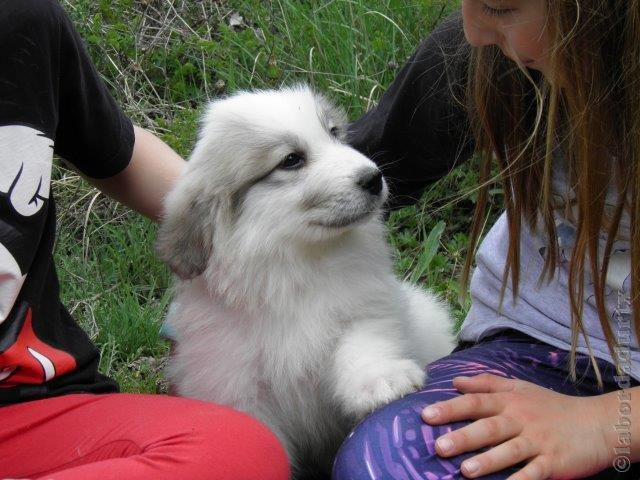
<point>392,443</point>
<point>395,443</point>
<point>209,441</point>
<point>248,448</point>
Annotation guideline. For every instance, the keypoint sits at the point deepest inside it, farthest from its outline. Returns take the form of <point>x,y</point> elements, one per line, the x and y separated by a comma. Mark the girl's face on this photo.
<point>517,27</point>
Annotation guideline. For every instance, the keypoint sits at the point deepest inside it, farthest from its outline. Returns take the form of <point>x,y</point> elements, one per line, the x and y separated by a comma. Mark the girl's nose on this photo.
<point>477,36</point>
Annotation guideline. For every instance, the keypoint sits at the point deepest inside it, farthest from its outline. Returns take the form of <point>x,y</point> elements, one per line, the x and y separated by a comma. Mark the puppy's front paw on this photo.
<point>378,384</point>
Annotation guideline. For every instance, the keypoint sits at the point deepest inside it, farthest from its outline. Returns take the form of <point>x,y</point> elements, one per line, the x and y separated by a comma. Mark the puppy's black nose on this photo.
<point>371,182</point>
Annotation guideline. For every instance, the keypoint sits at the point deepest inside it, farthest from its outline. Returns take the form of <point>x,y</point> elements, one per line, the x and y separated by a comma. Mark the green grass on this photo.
<point>163,59</point>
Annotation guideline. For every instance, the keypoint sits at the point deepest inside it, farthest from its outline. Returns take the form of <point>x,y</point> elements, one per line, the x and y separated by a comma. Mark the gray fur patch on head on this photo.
<point>332,118</point>
<point>185,232</point>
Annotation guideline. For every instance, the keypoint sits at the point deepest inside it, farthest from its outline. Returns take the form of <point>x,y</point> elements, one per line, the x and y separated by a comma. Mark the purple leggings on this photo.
<point>394,442</point>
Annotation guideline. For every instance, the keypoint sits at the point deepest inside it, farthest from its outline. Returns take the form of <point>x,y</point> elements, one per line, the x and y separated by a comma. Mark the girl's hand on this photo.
<point>560,436</point>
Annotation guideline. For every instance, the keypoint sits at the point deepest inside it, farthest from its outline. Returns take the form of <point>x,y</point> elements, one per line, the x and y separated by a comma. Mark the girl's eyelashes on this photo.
<point>496,12</point>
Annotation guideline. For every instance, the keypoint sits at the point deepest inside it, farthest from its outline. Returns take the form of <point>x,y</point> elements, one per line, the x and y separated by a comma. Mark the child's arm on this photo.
<point>151,173</point>
<point>621,416</point>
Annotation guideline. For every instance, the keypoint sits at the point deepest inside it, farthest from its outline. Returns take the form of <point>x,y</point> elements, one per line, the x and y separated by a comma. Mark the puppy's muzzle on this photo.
<point>371,182</point>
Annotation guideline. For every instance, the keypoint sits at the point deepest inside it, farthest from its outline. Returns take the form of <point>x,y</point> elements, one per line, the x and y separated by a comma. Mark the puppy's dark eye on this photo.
<point>293,161</point>
<point>335,131</point>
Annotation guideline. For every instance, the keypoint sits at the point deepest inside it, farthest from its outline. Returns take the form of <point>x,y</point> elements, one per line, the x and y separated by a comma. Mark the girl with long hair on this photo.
<point>544,381</point>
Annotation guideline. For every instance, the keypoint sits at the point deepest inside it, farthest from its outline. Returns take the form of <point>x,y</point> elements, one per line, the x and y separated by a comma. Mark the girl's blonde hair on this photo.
<point>587,108</point>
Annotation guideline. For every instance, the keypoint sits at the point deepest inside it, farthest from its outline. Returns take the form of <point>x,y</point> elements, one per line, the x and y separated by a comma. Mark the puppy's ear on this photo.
<point>185,234</point>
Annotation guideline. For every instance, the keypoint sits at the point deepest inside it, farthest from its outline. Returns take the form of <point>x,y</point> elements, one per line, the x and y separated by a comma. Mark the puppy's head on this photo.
<point>270,169</point>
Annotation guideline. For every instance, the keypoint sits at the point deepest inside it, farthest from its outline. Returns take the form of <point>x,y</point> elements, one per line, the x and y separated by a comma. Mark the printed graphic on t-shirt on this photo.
<point>25,359</point>
<point>25,176</point>
<point>617,288</point>
<point>11,280</point>
<point>25,162</point>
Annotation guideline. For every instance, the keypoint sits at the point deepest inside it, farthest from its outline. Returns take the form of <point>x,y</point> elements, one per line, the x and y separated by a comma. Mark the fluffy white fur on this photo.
<point>287,306</point>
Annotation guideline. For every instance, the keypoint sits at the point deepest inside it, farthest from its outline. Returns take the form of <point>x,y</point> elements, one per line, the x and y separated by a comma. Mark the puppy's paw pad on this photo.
<point>380,383</point>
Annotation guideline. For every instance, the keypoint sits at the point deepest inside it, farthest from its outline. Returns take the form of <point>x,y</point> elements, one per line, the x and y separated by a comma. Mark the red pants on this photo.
<point>131,437</point>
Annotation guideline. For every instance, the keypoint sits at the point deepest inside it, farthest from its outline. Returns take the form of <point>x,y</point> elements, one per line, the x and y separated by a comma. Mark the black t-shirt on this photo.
<point>51,100</point>
<point>420,129</point>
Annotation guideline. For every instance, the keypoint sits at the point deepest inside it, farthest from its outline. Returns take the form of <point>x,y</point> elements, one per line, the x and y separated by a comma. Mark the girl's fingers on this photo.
<point>485,382</point>
<point>479,434</point>
<point>498,458</point>
<point>534,470</point>
<point>469,406</point>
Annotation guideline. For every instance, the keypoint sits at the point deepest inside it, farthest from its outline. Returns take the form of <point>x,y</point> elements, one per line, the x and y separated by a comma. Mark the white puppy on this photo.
<point>287,306</point>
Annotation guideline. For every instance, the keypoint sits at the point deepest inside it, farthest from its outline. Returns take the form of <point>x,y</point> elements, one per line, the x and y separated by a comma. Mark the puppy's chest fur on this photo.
<point>264,341</point>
